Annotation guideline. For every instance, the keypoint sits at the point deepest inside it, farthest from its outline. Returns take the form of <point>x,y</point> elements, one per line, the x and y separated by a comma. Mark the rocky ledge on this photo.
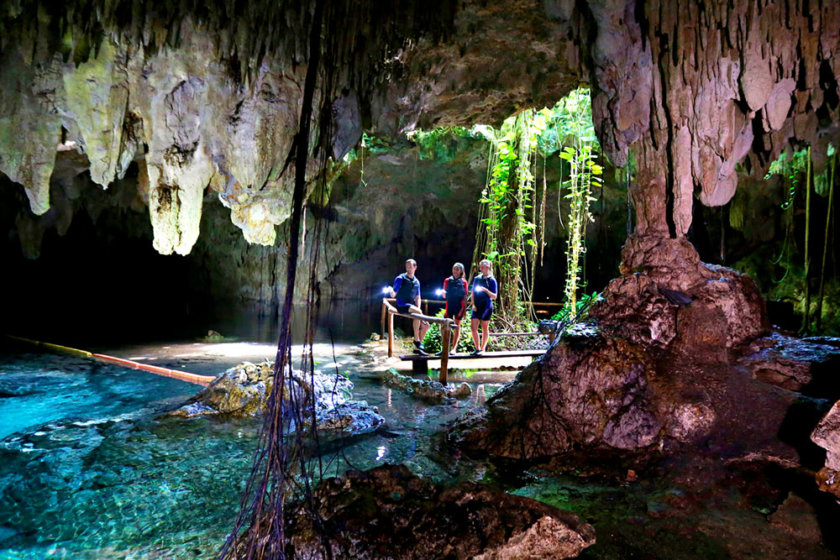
<point>390,513</point>
<point>426,389</point>
<point>243,390</point>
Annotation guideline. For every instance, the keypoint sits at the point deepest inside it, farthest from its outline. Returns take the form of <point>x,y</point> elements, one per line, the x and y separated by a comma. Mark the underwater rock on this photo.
<point>426,389</point>
<point>827,436</point>
<point>388,512</point>
<point>243,390</point>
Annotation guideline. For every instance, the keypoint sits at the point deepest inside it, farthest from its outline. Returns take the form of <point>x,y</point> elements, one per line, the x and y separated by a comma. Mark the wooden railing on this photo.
<point>446,326</point>
<point>426,303</point>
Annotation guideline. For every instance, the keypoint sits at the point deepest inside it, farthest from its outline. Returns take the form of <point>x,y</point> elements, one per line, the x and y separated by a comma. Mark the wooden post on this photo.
<point>390,335</point>
<point>444,357</point>
<point>382,320</point>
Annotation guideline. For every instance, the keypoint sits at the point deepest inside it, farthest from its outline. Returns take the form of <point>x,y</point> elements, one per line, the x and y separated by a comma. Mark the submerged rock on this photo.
<point>390,513</point>
<point>426,389</point>
<point>243,390</point>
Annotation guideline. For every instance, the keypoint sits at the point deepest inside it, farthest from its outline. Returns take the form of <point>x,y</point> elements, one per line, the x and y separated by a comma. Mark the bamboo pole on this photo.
<point>203,380</point>
<point>444,357</point>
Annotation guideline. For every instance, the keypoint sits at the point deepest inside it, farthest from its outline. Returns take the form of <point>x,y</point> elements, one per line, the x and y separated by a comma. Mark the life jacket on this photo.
<point>409,288</point>
<point>456,290</point>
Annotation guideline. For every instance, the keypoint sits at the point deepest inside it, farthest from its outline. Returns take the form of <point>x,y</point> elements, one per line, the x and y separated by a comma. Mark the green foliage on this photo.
<point>441,143</point>
<point>432,341</point>
<point>791,170</point>
<point>567,131</point>
<point>582,306</point>
<point>572,119</point>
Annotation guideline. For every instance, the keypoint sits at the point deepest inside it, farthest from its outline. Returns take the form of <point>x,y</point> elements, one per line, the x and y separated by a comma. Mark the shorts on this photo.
<point>461,311</point>
<point>403,309</point>
<point>483,314</point>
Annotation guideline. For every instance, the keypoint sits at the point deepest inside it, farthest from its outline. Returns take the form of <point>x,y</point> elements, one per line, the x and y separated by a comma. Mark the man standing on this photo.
<point>407,292</point>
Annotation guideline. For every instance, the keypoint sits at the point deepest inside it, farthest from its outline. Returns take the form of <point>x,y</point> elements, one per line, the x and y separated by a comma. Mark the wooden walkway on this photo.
<point>420,364</point>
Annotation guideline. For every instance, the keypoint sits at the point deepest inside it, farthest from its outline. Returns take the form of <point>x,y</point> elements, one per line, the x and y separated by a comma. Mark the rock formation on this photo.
<point>827,436</point>
<point>389,512</point>
<point>428,390</point>
<point>243,390</point>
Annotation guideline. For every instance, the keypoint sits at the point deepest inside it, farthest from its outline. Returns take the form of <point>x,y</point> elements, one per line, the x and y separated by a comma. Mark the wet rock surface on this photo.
<point>827,436</point>
<point>807,365</point>
<point>243,390</point>
<point>388,512</point>
<point>426,389</point>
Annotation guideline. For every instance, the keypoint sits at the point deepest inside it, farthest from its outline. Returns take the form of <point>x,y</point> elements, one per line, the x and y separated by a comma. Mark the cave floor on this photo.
<point>90,469</point>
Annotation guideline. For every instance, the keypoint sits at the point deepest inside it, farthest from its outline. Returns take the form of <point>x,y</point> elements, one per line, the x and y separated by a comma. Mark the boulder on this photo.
<point>388,512</point>
<point>243,390</point>
<point>628,394</point>
<point>807,365</point>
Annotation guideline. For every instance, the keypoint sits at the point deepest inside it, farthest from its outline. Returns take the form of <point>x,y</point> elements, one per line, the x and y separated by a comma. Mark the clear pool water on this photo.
<point>90,467</point>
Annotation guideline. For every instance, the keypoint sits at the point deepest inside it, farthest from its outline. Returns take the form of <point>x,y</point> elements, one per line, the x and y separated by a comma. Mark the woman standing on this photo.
<point>484,291</point>
<point>455,292</point>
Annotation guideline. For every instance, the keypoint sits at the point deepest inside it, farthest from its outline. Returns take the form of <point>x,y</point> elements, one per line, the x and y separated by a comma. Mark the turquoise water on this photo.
<point>90,468</point>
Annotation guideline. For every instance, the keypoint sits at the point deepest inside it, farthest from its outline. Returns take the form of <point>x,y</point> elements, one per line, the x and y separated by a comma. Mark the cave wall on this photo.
<point>693,89</point>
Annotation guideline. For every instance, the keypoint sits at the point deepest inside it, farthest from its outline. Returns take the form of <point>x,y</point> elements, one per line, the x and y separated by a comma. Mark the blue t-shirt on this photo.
<point>481,299</point>
<point>407,289</point>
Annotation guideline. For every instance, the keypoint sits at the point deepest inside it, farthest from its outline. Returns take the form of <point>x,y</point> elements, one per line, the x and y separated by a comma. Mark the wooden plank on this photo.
<point>485,355</point>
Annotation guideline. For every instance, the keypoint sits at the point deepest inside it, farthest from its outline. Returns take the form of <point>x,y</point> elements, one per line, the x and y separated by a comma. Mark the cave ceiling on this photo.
<point>207,96</point>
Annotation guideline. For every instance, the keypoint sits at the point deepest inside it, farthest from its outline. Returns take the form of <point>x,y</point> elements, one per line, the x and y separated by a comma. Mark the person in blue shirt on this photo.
<point>484,291</point>
<point>406,290</point>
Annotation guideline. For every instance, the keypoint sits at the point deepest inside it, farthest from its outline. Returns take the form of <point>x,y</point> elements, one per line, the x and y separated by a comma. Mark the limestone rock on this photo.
<point>592,391</point>
<point>29,129</point>
<point>244,389</point>
<point>96,97</point>
<point>388,512</point>
<point>621,392</point>
<point>426,389</point>
<point>726,307</point>
<point>827,436</point>
<point>796,364</point>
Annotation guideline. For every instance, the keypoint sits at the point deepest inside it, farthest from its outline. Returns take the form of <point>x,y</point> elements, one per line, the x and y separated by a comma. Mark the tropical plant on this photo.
<point>433,343</point>
<point>511,217</point>
<point>582,306</point>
